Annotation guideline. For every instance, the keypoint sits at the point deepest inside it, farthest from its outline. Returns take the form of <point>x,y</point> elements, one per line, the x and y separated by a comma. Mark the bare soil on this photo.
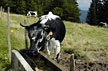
<point>81,65</point>
<point>65,62</point>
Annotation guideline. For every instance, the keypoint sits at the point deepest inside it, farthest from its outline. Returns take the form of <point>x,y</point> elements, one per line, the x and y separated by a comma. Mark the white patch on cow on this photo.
<point>41,39</point>
<point>50,16</point>
<point>47,49</point>
<point>53,44</point>
<point>33,38</point>
<point>29,14</point>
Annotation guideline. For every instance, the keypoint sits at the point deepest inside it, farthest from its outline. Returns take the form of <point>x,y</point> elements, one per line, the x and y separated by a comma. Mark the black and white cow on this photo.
<point>32,13</point>
<point>47,33</point>
<point>103,24</point>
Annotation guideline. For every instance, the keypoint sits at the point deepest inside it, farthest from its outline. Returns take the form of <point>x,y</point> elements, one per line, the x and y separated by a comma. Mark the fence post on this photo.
<point>72,63</point>
<point>9,44</point>
<point>1,11</point>
<point>26,41</point>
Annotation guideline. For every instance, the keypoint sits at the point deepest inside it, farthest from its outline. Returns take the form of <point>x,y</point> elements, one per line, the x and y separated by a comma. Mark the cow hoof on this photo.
<point>57,60</point>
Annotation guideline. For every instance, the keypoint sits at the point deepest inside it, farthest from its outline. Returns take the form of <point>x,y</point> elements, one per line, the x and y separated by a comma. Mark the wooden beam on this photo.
<point>72,63</point>
<point>18,63</point>
<point>9,43</point>
<point>26,41</point>
<point>52,62</point>
<point>1,11</point>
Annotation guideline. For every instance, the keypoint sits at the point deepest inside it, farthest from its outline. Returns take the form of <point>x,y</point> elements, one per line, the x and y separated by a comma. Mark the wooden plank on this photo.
<point>19,63</point>
<point>26,41</point>
<point>1,11</point>
<point>58,67</point>
<point>72,63</point>
<point>9,44</point>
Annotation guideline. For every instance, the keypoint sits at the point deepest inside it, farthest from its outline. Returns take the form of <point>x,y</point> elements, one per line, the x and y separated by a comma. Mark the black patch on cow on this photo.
<point>57,27</point>
<point>42,44</point>
<point>32,13</point>
<point>57,56</point>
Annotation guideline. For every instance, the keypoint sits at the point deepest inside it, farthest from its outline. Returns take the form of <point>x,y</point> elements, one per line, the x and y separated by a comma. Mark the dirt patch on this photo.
<point>83,66</point>
<point>65,62</point>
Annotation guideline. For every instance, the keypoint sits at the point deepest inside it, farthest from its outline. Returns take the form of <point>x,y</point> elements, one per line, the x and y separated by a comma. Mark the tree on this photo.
<point>67,9</point>
<point>99,11</point>
<point>92,17</point>
<point>4,3</point>
<point>58,11</point>
<point>39,7</point>
<point>105,11</point>
<point>71,11</point>
<point>31,5</point>
<point>21,7</point>
<point>48,5</point>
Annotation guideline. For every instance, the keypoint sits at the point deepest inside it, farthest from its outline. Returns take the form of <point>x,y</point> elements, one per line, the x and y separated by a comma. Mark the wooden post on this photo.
<point>26,41</point>
<point>72,63</point>
<point>9,44</point>
<point>1,11</point>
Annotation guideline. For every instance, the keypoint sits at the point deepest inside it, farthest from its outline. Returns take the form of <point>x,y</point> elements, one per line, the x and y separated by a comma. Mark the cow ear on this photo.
<point>26,26</point>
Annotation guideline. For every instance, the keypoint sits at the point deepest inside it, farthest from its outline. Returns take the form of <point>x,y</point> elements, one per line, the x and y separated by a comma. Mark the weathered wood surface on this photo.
<point>9,41</point>
<point>26,41</point>
<point>52,62</point>
<point>19,63</point>
<point>49,62</point>
<point>72,63</point>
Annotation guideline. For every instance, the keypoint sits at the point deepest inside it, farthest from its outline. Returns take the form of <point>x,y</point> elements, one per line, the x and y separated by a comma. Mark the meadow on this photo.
<point>88,43</point>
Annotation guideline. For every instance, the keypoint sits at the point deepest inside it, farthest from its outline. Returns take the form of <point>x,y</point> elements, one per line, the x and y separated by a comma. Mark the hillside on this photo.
<point>86,42</point>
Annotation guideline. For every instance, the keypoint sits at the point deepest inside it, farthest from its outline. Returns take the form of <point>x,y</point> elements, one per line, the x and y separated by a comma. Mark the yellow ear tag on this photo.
<point>50,33</point>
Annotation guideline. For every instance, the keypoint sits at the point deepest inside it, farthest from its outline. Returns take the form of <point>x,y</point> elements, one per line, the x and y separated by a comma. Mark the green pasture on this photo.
<point>88,43</point>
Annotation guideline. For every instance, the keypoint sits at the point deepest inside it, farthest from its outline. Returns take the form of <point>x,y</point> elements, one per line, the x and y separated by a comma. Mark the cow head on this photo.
<point>38,35</point>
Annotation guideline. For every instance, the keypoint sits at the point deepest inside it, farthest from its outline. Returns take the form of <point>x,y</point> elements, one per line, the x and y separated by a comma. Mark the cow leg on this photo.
<point>57,48</point>
<point>47,49</point>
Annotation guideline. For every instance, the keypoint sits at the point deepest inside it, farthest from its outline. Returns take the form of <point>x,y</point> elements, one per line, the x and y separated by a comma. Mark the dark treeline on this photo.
<point>66,9</point>
<point>98,12</point>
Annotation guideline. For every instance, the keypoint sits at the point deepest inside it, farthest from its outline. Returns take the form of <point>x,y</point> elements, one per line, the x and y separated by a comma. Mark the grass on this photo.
<point>88,43</point>
<point>17,37</point>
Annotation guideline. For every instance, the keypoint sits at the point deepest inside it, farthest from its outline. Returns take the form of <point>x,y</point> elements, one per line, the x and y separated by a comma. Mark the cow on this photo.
<point>103,24</point>
<point>32,13</point>
<point>47,33</point>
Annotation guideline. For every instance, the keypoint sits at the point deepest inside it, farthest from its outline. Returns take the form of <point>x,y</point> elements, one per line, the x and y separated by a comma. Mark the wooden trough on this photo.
<point>22,62</point>
<point>18,63</point>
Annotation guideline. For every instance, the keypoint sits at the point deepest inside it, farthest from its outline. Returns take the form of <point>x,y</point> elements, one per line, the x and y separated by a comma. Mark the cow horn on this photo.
<point>26,26</point>
<point>23,25</point>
